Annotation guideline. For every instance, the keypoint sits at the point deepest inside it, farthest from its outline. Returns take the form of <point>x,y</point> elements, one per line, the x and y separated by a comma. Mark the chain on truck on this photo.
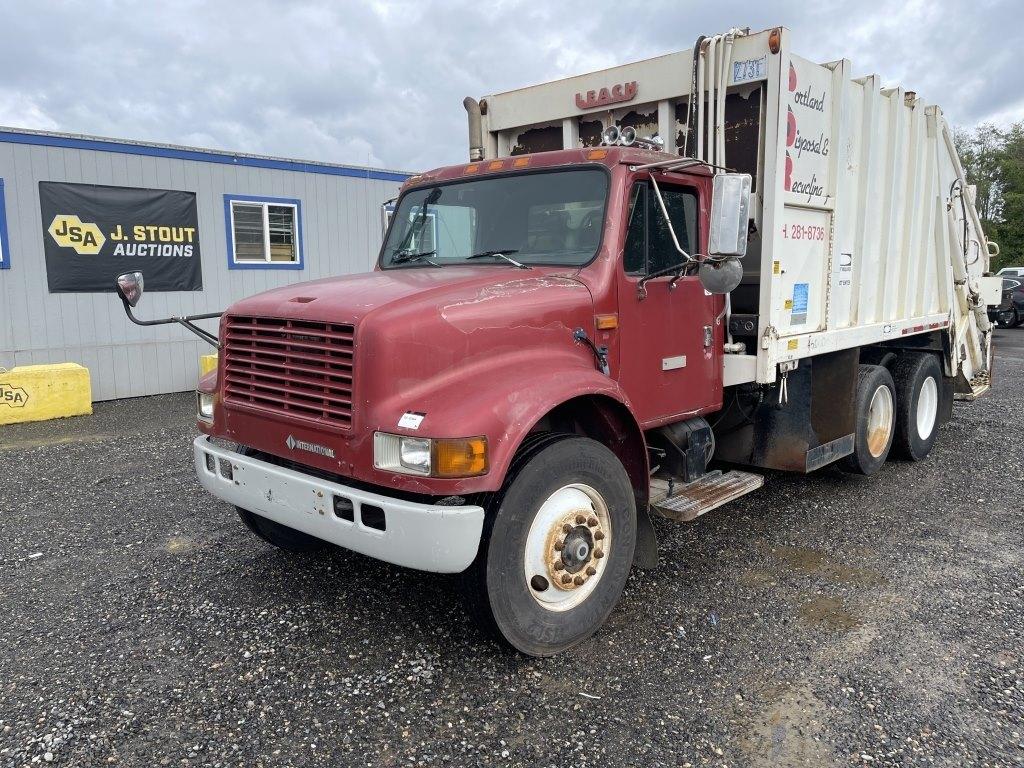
<point>647,284</point>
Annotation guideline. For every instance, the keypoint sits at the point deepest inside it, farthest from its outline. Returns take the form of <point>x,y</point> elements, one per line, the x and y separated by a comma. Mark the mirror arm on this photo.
<point>186,321</point>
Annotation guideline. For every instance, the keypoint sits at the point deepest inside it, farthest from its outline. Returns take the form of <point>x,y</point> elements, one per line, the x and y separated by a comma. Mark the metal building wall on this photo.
<point>341,235</point>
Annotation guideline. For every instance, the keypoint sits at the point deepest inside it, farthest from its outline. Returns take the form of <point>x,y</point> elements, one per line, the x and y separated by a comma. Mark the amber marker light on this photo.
<point>472,168</point>
<point>597,154</point>
<point>495,165</point>
<point>463,457</point>
<point>606,322</point>
<point>520,162</point>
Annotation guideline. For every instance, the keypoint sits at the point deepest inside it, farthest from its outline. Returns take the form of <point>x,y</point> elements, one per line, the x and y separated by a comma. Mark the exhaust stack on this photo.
<point>476,138</point>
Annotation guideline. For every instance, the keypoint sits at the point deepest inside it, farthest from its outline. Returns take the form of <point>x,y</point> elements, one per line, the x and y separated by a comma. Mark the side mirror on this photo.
<point>130,287</point>
<point>730,215</point>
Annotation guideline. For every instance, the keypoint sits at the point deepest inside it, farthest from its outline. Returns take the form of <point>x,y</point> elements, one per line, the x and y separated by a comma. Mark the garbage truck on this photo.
<point>644,287</point>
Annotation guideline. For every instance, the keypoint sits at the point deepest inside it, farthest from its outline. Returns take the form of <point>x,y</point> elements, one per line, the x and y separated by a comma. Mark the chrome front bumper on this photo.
<point>423,536</point>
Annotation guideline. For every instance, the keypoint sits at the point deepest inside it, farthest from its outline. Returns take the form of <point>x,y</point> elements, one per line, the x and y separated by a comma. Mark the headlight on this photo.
<point>205,405</point>
<point>414,454</point>
<point>460,457</point>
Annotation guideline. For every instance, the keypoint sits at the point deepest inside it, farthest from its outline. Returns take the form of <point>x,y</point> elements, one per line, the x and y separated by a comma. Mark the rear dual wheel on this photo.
<point>876,420</point>
<point>558,552</point>
<point>918,379</point>
<point>896,412</point>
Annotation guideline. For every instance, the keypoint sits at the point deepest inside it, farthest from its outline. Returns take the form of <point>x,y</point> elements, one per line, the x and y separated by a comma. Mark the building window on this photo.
<point>5,253</point>
<point>263,232</point>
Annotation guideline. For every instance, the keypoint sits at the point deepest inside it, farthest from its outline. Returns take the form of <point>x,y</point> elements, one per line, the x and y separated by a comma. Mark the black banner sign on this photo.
<point>92,234</point>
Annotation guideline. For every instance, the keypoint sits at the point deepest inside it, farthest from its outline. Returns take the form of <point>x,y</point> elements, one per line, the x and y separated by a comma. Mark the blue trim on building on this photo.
<point>232,264</point>
<point>197,155</point>
<point>5,240</point>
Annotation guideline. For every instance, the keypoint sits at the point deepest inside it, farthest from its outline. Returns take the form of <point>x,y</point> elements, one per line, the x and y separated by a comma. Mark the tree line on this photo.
<point>993,160</point>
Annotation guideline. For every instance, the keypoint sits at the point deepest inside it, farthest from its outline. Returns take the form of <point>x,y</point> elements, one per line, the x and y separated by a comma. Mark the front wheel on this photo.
<point>560,548</point>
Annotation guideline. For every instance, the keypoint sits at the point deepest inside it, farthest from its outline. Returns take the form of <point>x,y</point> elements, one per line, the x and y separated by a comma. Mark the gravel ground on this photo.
<point>827,620</point>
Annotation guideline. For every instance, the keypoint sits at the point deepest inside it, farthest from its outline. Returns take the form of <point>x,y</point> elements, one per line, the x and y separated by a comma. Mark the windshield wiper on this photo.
<point>501,254</point>
<point>404,257</point>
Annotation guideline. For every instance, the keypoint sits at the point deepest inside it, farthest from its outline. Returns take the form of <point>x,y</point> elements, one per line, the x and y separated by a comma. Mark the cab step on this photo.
<point>685,502</point>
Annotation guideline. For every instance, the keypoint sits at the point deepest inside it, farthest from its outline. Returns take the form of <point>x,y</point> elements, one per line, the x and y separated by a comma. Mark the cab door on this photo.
<point>669,340</point>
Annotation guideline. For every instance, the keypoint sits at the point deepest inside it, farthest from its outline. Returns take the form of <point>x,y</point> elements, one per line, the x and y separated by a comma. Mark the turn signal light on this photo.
<point>464,457</point>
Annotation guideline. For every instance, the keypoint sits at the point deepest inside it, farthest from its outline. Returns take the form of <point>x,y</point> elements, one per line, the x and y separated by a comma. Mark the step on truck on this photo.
<point>647,284</point>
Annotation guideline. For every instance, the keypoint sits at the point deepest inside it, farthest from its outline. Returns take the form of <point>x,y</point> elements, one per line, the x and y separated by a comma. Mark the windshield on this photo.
<point>541,218</point>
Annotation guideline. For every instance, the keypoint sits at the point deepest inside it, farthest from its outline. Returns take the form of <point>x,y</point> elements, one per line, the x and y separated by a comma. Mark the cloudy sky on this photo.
<point>381,83</point>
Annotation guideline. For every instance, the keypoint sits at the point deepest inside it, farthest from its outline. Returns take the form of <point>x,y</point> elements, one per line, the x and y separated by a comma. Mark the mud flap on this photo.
<point>646,554</point>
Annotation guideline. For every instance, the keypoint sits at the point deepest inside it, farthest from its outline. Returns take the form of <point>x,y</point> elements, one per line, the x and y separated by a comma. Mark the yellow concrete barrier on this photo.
<point>207,363</point>
<point>40,392</point>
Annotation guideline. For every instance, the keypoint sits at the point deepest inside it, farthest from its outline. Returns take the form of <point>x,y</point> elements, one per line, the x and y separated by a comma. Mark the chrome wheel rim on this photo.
<point>880,418</point>
<point>566,547</point>
<point>927,407</point>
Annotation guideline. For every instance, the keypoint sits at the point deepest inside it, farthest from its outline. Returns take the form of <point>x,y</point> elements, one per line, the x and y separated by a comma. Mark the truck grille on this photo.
<point>294,368</point>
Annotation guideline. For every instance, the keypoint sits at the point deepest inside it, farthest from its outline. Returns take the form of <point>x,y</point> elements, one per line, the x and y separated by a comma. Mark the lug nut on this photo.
<point>591,570</point>
<point>560,545</point>
<point>566,528</point>
<point>579,580</point>
<point>580,519</point>
<point>598,535</point>
<point>559,565</point>
<point>566,578</point>
<point>598,553</point>
<point>592,521</point>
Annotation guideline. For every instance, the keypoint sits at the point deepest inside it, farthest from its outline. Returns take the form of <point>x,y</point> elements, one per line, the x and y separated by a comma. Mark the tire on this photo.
<point>281,536</point>
<point>515,584</point>
<point>1008,319</point>
<point>918,380</point>
<point>876,421</point>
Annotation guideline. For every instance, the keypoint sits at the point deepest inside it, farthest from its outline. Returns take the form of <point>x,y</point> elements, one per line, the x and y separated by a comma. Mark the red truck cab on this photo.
<point>527,316</point>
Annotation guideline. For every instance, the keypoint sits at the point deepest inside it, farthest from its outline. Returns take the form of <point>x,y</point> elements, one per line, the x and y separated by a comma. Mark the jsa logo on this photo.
<point>15,397</point>
<point>68,231</point>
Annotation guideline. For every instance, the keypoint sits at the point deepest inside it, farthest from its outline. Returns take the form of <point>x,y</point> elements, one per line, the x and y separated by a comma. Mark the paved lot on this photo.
<point>828,620</point>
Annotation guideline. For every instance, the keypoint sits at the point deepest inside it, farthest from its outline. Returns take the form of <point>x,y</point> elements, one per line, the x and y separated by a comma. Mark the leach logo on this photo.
<point>14,397</point>
<point>69,231</point>
<point>302,445</point>
<point>613,95</point>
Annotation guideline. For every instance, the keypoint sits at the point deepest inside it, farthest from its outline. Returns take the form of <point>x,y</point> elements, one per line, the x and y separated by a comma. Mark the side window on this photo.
<point>682,210</point>
<point>649,246</point>
<point>635,256</point>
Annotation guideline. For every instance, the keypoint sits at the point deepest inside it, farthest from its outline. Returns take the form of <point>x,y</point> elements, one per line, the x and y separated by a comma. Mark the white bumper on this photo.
<point>423,536</point>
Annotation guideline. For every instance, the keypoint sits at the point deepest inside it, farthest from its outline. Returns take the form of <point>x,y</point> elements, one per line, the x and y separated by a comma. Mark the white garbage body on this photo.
<point>864,226</point>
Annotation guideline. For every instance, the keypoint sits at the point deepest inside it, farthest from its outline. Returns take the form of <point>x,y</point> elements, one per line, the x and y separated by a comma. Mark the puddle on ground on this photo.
<point>828,612</point>
<point>176,545</point>
<point>788,732</point>
<point>808,560</point>
<point>756,577</point>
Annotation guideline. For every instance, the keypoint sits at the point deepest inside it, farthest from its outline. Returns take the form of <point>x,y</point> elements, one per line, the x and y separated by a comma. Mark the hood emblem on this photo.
<point>303,445</point>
